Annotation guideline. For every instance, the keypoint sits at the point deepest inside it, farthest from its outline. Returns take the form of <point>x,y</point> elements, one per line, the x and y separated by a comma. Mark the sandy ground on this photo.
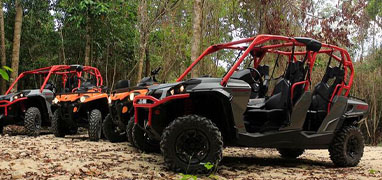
<point>47,157</point>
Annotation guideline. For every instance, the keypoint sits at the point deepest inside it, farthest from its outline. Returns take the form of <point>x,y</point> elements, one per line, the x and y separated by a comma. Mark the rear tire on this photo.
<point>288,153</point>
<point>110,131</point>
<point>189,142</point>
<point>142,141</point>
<point>129,131</point>
<point>95,122</point>
<point>346,149</point>
<point>57,126</point>
<point>32,121</point>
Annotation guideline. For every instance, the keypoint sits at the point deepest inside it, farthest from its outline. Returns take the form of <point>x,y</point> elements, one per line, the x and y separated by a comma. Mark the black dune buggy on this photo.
<point>117,123</point>
<point>191,120</point>
<point>31,106</point>
<point>85,106</point>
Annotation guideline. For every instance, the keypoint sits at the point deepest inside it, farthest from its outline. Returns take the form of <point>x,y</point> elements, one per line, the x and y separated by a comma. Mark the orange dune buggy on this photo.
<point>116,124</point>
<point>85,106</point>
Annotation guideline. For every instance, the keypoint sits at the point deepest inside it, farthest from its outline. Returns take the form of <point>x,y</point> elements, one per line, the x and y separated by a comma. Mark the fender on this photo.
<point>222,101</point>
<point>44,105</point>
<point>334,116</point>
<point>94,97</point>
<point>123,95</point>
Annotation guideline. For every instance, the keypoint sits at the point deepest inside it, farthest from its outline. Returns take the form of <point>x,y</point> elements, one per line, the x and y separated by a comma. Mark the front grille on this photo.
<point>157,94</point>
<point>2,110</point>
<point>3,103</point>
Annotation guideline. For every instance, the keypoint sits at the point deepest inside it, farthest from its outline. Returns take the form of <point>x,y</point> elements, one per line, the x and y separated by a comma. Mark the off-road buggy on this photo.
<point>85,106</point>
<point>32,107</point>
<point>191,120</point>
<point>116,124</point>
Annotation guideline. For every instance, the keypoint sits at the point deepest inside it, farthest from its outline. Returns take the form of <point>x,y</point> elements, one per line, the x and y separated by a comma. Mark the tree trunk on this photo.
<point>3,87</point>
<point>147,74</point>
<point>62,46</point>
<point>107,64</point>
<point>114,72</point>
<point>87,47</point>
<point>16,42</point>
<point>196,34</point>
<point>142,18</point>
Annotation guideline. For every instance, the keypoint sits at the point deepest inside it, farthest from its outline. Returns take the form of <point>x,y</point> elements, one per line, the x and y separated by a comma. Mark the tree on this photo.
<point>196,32</point>
<point>143,35</point>
<point>374,10</point>
<point>3,57</point>
<point>16,41</point>
<point>148,19</point>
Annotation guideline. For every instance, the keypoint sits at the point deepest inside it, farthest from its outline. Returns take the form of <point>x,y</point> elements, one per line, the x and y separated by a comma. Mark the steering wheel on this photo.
<point>54,89</point>
<point>74,89</point>
<point>154,73</point>
<point>257,77</point>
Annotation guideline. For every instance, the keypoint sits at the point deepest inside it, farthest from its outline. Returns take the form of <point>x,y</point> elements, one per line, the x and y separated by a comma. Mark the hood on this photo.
<point>7,97</point>
<point>162,86</point>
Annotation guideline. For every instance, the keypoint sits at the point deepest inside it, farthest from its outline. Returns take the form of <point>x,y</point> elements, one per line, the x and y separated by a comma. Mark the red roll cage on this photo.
<point>258,44</point>
<point>64,71</point>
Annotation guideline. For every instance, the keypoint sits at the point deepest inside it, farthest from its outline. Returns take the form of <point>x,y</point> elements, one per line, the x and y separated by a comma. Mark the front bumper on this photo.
<point>4,105</point>
<point>150,102</point>
<point>68,111</point>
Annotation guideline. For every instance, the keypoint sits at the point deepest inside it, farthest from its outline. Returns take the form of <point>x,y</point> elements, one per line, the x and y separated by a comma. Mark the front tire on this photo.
<point>32,121</point>
<point>129,131</point>
<point>57,126</point>
<point>142,141</point>
<point>111,132</point>
<point>189,142</point>
<point>288,153</point>
<point>346,149</point>
<point>95,122</point>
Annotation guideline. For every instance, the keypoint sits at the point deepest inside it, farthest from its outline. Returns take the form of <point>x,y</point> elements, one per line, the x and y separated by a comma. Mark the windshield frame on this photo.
<point>257,46</point>
<point>63,70</point>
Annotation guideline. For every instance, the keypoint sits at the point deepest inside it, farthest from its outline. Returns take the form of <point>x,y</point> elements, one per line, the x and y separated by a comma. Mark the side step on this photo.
<point>286,139</point>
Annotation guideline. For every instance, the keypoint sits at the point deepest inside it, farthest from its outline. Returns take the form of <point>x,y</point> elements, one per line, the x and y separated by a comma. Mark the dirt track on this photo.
<point>75,157</point>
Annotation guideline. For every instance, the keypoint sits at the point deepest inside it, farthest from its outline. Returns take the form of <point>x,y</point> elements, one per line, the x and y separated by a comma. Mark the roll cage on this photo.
<point>65,71</point>
<point>262,44</point>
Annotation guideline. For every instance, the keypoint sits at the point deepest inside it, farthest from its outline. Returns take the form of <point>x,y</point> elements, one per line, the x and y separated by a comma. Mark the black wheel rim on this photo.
<point>99,129</point>
<point>352,147</point>
<point>37,122</point>
<point>192,146</point>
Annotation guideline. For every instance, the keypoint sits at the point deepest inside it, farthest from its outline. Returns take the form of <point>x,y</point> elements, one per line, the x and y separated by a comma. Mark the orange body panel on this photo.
<point>91,95</point>
<point>123,95</point>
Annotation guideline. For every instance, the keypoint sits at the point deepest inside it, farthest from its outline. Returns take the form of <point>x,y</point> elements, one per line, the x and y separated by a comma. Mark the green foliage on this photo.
<point>3,72</point>
<point>372,171</point>
<point>374,8</point>
<point>187,177</point>
<point>208,165</point>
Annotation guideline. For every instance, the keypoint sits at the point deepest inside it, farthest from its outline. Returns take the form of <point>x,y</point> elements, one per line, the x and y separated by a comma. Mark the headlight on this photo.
<point>18,96</point>
<point>131,96</point>
<point>55,101</point>
<point>82,99</point>
<point>177,90</point>
<point>109,100</point>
